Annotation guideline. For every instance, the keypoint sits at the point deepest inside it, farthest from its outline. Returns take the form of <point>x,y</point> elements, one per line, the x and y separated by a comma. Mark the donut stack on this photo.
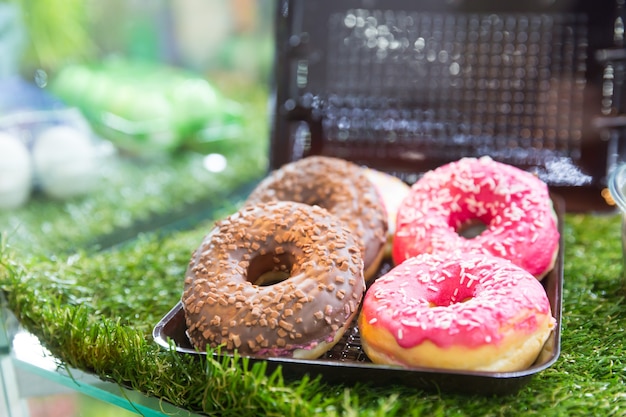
<point>458,301</point>
<point>287,274</point>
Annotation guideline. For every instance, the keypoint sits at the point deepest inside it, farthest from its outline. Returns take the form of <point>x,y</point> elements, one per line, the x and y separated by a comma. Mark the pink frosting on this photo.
<point>456,300</point>
<point>514,205</point>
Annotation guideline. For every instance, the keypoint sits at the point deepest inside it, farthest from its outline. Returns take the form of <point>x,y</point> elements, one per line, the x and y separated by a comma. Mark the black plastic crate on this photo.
<point>406,86</point>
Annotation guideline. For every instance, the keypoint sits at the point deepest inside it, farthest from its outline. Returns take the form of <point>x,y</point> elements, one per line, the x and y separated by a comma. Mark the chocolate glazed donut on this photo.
<point>342,188</point>
<point>276,279</point>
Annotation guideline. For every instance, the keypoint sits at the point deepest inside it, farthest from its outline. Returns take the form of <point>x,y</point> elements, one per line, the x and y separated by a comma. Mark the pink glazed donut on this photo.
<point>513,205</point>
<point>465,312</point>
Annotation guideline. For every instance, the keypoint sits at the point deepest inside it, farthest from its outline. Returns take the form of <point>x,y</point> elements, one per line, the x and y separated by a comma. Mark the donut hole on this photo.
<point>448,302</point>
<point>269,269</point>
<point>471,228</point>
<point>452,291</point>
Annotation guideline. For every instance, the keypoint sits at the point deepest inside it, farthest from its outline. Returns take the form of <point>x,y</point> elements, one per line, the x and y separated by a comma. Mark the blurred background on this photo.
<point>114,112</point>
<point>206,36</point>
<point>82,81</point>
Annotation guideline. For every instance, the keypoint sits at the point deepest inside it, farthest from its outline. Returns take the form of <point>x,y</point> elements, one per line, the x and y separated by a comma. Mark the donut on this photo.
<point>392,191</point>
<point>278,279</point>
<point>470,312</point>
<point>513,206</point>
<point>343,189</point>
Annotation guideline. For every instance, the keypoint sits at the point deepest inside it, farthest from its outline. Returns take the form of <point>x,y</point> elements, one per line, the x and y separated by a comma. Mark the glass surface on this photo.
<point>617,187</point>
<point>617,181</point>
<point>27,356</point>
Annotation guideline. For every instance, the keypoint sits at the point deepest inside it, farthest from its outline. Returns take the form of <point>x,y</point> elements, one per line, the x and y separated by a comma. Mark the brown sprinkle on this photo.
<point>225,286</point>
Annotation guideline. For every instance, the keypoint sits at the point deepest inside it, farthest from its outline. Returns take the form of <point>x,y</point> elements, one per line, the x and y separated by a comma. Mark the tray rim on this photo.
<point>533,369</point>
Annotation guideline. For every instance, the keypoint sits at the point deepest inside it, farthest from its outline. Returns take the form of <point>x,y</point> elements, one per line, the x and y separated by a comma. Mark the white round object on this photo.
<point>65,161</point>
<point>16,172</point>
<point>215,162</point>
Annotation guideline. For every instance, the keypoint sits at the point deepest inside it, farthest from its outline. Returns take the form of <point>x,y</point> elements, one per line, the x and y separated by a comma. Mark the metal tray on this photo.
<point>346,363</point>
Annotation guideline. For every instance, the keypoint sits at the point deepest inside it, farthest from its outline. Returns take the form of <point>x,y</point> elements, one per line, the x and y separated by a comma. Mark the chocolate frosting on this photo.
<point>273,278</point>
<point>339,186</point>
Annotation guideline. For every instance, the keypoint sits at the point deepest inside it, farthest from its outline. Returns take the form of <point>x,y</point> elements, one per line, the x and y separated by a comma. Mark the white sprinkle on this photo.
<point>439,278</point>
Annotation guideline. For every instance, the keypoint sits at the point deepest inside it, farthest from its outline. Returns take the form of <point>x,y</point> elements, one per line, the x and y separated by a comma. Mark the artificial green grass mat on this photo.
<point>95,312</point>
